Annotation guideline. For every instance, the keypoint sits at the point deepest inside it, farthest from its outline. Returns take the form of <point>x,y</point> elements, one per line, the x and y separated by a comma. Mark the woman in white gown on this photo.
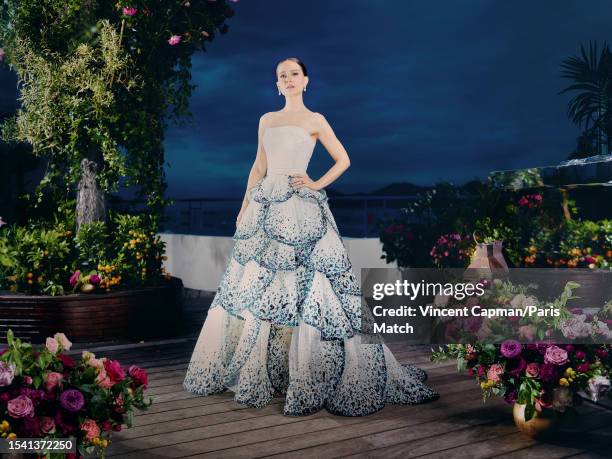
<point>286,318</point>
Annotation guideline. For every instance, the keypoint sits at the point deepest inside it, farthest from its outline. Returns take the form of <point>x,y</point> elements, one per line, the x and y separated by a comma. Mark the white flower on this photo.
<point>576,327</point>
<point>521,301</point>
<point>64,342</point>
<point>598,386</point>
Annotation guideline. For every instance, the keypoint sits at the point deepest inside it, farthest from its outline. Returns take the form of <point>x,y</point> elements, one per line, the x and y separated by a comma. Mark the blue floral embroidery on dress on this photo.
<point>287,317</point>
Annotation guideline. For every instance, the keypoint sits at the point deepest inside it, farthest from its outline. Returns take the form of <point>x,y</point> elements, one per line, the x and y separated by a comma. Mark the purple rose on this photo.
<point>549,372</point>
<point>555,355</point>
<point>7,373</point>
<point>510,397</point>
<point>542,346</point>
<point>20,407</point>
<point>72,400</point>
<point>511,348</point>
<point>94,279</point>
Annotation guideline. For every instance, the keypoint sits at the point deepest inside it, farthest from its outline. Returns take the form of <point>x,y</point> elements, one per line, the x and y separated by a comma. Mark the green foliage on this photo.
<point>98,83</point>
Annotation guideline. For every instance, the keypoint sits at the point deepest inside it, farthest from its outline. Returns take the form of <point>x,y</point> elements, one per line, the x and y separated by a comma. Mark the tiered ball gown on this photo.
<point>286,318</point>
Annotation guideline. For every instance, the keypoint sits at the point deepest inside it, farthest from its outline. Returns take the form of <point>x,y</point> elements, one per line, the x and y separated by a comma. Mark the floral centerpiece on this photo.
<point>520,358</point>
<point>47,394</point>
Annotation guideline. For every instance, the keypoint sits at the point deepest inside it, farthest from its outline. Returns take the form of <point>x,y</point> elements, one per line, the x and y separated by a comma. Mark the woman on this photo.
<point>286,318</point>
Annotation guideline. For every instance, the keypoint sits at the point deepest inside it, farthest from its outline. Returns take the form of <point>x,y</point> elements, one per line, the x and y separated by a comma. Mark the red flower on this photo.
<point>139,376</point>
<point>68,362</point>
<point>114,371</point>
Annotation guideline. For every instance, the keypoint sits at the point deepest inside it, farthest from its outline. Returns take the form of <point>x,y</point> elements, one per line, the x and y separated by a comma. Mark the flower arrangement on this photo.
<point>528,367</point>
<point>542,375</point>
<point>45,393</point>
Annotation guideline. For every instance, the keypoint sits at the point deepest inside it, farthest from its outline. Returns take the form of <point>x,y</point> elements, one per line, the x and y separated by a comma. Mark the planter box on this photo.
<point>148,312</point>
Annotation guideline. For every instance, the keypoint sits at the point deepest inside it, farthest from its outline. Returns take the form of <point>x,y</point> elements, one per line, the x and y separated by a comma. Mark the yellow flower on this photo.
<point>39,279</point>
<point>563,382</point>
<point>11,436</point>
<point>483,385</point>
<point>104,443</point>
<point>30,275</point>
<point>164,258</point>
<point>30,281</point>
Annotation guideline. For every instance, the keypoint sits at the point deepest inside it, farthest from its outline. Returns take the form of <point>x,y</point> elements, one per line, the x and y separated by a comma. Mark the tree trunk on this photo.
<point>91,202</point>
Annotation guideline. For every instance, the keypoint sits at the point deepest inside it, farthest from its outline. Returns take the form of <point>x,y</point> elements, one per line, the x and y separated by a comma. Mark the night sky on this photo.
<point>417,91</point>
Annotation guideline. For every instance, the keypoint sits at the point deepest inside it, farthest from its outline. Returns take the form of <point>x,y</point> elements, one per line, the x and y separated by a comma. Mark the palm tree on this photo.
<point>591,74</point>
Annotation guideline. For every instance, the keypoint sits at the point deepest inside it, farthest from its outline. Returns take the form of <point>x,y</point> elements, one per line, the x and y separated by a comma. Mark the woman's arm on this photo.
<point>259,168</point>
<point>335,150</point>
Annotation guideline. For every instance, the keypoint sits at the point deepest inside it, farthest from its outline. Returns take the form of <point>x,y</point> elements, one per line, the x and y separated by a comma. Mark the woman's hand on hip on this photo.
<point>302,180</point>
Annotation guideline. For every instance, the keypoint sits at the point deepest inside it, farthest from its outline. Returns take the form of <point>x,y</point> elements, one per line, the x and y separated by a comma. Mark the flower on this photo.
<point>63,341</point>
<point>583,367</point>
<point>601,352</point>
<point>47,425</point>
<point>549,372</point>
<point>94,279</point>
<point>2,222</point>
<point>67,361</point>
<point>90,428</point>
<point>597,386</point>
<point>1,59</point>
<point>103,380</point>
<point>52,345</point>
<point>576,327</point>
<point>139,376</point>
<point>174,40</point>
<point>114,371</point>
<point>72,400</point>
<point>555,355</point>
<point>53,379</point>
<point>580,355</point>
<point>495,372</point>
<point>20,407</point>
<point>128,11</point>
<point>65,427</point>
<point>511,348</point>
<point>527,332</point>
<point>532,370</point>
<point>74,279</point>
<point>7,373</point>
<point>106,426</point>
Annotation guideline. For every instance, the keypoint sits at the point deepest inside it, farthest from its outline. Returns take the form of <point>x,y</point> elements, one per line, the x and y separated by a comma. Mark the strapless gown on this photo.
<point>286,318</point>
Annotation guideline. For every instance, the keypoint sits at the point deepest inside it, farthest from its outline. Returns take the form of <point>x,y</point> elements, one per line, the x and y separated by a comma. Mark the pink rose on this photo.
<point>582,367</point>
<point>27,380</point>
<point>106,426</point>
<point>52,345</point>
<point>129,11</point>
<point>527,333</point>
<point>63,341</point>
<point>1,59</point>
<point>47,425</point>
<point>555,355</point>
<point>139,376</point>
<point>20,407</point>
<point>91,429</point>
<point>94,279</point>
<point>174,40</point>
<point>580,355</point>
<point>103,380</point>
<point>495,372</point>
<point>532,370</point>
<point>114,371</point>
<point>53,380</point>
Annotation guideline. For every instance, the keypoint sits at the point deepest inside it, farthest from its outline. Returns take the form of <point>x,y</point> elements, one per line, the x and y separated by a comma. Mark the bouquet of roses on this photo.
<point>47,394</point>
<point>541,375</point>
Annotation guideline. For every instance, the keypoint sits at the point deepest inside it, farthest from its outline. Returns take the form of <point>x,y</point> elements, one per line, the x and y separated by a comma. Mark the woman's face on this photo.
<point>291,79</point>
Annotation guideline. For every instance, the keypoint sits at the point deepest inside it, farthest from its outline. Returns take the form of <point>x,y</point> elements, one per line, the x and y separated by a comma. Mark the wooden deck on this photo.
<point>457,425</point>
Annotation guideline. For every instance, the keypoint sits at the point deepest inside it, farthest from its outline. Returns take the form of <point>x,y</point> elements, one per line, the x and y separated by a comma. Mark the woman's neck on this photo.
<point>294,103</point>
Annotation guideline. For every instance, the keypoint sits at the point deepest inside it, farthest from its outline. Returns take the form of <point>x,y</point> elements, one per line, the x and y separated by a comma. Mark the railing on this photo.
<point>356,216</point>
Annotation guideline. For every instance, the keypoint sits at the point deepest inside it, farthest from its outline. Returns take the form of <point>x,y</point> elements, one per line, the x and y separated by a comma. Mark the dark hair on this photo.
<point>297,61</point>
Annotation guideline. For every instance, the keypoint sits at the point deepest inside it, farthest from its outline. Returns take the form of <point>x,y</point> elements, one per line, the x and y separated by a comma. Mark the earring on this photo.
<point>279,93</point>
<point>304,88</point>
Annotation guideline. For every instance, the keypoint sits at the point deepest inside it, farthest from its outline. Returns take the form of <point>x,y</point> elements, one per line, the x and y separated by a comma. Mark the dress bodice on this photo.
<point>288,149</point>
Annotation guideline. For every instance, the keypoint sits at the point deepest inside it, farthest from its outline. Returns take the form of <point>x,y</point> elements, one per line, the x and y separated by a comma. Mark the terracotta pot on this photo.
<point>541,424</point>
